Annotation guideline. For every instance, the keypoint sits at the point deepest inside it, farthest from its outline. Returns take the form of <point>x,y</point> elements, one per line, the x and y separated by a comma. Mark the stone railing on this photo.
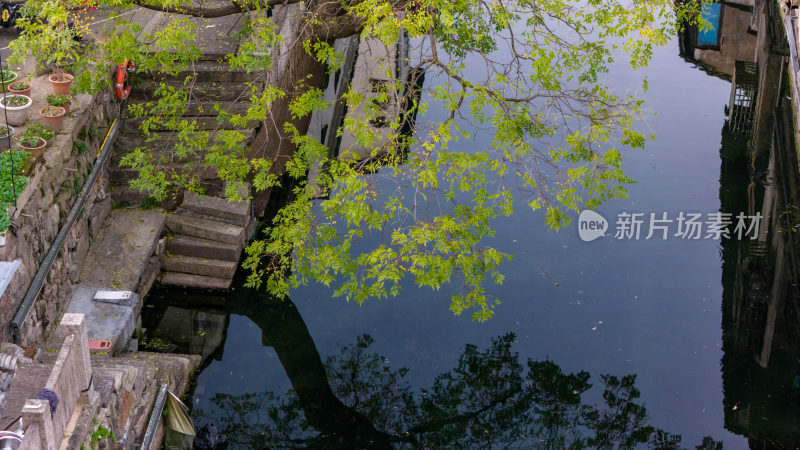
<point>69,379</point>
<point>32,440</point>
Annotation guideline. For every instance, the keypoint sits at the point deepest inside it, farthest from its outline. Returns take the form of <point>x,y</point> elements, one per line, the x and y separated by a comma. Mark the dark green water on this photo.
<point>708,327</point>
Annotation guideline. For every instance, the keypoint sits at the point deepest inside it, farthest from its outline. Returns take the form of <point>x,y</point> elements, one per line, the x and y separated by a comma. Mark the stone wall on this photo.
<point>100,391</point>
<point>127,387</point>
<point>57,176</point>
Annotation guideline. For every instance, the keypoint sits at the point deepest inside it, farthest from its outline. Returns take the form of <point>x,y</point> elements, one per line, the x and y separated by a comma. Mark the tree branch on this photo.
<point>234,7</point>
<point>196,11</point>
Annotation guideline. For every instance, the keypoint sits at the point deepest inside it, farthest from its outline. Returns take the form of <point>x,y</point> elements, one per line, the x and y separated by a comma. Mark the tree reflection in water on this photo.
<point>491,399</point>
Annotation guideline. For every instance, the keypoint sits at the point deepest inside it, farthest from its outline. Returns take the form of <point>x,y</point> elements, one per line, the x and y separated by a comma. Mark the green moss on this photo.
<point>80,146</point>
<point>150,203</point>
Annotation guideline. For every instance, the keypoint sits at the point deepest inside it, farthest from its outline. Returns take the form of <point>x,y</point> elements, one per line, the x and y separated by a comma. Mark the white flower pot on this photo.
<point>17,115</point>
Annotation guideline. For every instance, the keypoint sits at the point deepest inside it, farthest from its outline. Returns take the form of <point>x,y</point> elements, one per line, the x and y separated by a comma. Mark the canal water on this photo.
<point>593,343</point>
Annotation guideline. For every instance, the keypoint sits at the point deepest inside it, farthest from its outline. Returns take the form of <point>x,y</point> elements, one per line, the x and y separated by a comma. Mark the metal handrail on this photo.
<point>38,280</point>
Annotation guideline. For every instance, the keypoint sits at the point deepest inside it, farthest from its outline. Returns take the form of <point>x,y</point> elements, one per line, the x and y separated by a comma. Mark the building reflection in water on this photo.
<point>759,174</point>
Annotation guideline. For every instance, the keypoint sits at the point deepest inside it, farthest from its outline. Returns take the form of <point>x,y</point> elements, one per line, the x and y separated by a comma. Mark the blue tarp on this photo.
<point>711,14</point>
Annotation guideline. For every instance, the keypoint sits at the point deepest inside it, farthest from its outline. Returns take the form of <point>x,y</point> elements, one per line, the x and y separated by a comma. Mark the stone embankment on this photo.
<point>101,399</point>
<point>57,174</point>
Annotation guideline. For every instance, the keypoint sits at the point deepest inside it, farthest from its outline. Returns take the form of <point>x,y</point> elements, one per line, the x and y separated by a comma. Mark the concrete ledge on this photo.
<point>118,258</point>
<point>103,320</point>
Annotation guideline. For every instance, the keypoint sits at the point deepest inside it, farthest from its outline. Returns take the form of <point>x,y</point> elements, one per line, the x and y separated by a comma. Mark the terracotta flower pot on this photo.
<point>41,143</point>
<point>61,83</point>
<point>53,116</point>
<point>5,141</point>
<point>16,115</point>
<point>12,77</point>
<point>65,105</point>
<point>26,91</point>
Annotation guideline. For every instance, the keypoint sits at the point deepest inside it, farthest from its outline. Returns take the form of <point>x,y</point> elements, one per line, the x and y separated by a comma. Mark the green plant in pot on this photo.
<point>49,37</point>
<point>61,82</point>
<point>6,78</point>
<point>6,133</point>
<point>60,55</point>
<point>59,100</point>
<point>16,108</point>
<point>31,141</point>
<point>41,130</point>
<point>35,137</point>
<point>20,88</point>
<point>53,116</point>
<point>16,100</point>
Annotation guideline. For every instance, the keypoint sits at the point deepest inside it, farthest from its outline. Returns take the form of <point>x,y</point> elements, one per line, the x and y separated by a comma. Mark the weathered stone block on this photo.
<point>236,213</point>
<point>199,266</point>
<point>203,228</point>
<point>203,248</point>
<point>195,281</point>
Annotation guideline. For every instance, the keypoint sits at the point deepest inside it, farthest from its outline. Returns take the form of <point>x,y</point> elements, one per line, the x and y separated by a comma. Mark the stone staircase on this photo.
<point>206,242</point>
<point>214,83</point>
<point>208,233</point>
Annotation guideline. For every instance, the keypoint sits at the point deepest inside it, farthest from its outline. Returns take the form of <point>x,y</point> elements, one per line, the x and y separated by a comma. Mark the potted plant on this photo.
<point>16,107</point>
<point>53,116</point>
<point>61,82</point>
<point>59,100</point>
<point>31,143</point>
<point>38,129</point>
<point>20,88</point>
<point>7,77</point>
<point>6,133</point>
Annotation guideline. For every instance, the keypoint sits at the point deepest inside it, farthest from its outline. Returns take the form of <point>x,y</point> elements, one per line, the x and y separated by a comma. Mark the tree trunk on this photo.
<point>283,328</point>
<point>302,73</point>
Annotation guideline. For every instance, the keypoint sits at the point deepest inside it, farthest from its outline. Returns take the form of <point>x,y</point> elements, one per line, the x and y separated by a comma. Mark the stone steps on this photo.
<point>195,281</point>
<point>206,229</point>
<point>203,248</point>
<point>119,175</point>
<point>221,209</point>
<point>207,123</point>
<point>129,141</point>
<point>230,91</point>
<point>200,108</point>
<point>208,233</point>
<point>215,83</point>
<point>216,268</point>
<point>214,55</point>
<point>162,155</point>
<point>208,70</point>
<point>163,147</point>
